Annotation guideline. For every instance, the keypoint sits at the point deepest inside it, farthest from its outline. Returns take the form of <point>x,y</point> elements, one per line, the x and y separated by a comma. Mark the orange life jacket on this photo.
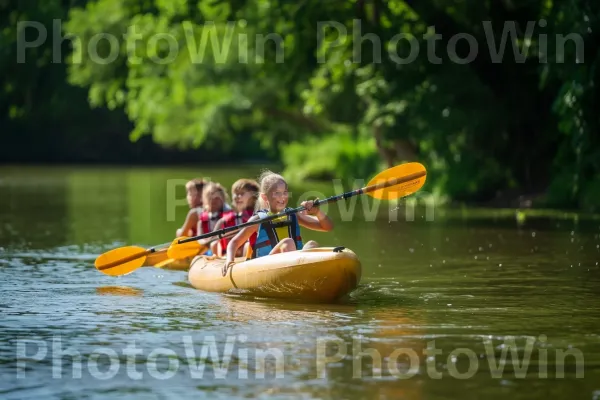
<point>209,220</point>
<point>234,219</point>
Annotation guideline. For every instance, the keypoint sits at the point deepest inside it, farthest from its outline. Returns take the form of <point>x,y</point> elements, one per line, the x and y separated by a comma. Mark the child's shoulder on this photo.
<point>196,211</point>
<point>254,217</point>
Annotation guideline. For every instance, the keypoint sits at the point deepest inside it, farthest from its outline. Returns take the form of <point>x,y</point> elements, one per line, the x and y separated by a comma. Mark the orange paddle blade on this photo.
<point>184,250</point>
<point>156,257</point>
<point>168,261</point>
<point>121,261</point>
<point>164,262</point>
<point>402,174</point>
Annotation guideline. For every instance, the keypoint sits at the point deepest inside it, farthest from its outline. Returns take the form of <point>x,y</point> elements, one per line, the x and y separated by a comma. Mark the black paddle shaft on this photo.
<point>367,189</point>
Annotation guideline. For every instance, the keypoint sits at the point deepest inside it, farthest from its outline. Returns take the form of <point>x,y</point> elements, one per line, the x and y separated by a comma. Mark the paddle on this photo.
<point>164,263</point>
<point>203,249</point>
<point>404,179</point>
<point>124,260</point>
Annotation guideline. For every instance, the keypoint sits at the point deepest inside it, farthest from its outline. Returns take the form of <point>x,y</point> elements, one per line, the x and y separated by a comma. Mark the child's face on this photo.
<point>216,202</point>
<point>193,198</point>
<point>242,199</point>
<point>278,197</point>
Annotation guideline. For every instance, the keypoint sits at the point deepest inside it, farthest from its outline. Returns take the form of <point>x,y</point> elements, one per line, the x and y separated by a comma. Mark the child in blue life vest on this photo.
<point>282,234</point>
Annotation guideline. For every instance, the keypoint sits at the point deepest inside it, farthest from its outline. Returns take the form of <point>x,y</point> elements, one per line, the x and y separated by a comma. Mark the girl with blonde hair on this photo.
<point>281,234</point>
<point>214,198</point>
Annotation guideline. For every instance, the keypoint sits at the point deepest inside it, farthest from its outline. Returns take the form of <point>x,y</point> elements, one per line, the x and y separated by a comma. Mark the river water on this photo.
<point>453,303</point>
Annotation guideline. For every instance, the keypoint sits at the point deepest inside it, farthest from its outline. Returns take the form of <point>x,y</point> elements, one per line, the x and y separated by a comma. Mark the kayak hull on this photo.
<point>322,274</point>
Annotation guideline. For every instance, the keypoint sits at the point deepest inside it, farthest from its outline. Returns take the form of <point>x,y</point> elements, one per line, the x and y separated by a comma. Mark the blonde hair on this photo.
<point>246,185</point>
<point>268,180</point>
<point>210,190</point>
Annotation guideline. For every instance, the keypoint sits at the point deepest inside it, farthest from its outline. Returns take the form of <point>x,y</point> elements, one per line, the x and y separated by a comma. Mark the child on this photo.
<point>280,235</point>
<point>193,190</point>
<point>215,207</point>
<point>244,193</point>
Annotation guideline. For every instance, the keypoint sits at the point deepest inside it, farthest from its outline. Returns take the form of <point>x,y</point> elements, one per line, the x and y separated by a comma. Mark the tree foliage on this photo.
<point>492,96</point>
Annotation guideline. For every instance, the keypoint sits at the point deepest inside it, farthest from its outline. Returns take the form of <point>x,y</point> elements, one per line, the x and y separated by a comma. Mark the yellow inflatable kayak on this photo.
<point>322,274</point>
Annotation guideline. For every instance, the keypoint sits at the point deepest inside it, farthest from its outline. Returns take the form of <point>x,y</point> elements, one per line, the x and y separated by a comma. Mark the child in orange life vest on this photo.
<point>280,235</point>
<point>194,189</point>
<point>244,193</point>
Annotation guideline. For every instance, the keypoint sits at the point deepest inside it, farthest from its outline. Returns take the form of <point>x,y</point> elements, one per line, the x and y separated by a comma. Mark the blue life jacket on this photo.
<point>267,236</point>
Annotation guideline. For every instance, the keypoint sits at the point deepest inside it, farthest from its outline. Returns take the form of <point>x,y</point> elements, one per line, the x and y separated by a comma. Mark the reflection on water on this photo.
<point>441,303</point>
<point>119,291</point>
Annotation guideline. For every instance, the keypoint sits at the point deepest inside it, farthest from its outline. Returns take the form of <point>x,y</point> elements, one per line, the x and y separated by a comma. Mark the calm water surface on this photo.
<point>458,304</point>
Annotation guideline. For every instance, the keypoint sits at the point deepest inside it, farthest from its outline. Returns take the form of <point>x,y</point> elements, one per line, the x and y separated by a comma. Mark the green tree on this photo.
<point>305,80</point>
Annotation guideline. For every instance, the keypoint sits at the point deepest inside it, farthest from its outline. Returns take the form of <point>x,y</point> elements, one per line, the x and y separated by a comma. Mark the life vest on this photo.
<point>234,219</point>
<point>272,232</point>
<point>209,220</point>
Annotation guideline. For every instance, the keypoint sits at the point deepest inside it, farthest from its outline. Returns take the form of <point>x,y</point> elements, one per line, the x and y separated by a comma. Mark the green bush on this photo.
<point>334,156</point>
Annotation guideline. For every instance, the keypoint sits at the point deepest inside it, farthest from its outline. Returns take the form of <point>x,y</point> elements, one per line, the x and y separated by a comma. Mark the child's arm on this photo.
<point>313,218</point>
<point>218,225</point>
<point>237,241</point>
<point>214,248</point>
<point>190,220</point>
